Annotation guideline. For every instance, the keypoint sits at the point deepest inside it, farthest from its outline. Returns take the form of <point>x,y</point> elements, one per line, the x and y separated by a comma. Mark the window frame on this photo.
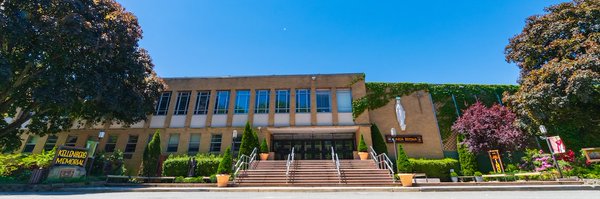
<point>173,147</point>
<point>74,143</point>
<point>29,146</point>
<point>179,110</point>
<point>194,144</point>
<point>302,95</point>
<point>341,109</point>
<point>198,110</point>
<point>262,95</point>
<point>241,106</point>
<point>220,111</point>
<point>46,144</point>
<point>320,108</point>
<point>286,108</point>
<point>111,145</point>
<point>214,144</point>
<point>128,154</point>
<point>162,101</point>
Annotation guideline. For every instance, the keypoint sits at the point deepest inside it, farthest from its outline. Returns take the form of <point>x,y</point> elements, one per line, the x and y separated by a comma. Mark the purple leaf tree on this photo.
<point>489,128</point>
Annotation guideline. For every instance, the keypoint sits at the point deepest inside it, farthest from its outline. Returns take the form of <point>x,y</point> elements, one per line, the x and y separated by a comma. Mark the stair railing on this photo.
<point>288,163</point>
<point>382,161</point>
<point>244,163</point>
<point>336,161</point>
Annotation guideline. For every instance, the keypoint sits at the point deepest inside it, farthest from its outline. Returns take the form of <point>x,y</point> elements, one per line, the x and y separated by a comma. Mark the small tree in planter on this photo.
<point>478,176</point>
<point>151,157</point>
<point>264,150</point>
<point>224,170</point>
<point>404,167</point>
<point>454,176</point>
<point>362,148</point>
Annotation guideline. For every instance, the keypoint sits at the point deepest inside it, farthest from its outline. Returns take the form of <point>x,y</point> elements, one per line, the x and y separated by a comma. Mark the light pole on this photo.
<point>545,137</point>
<point>100,136</point>
<point>233,136</point>
<point>393,131</point>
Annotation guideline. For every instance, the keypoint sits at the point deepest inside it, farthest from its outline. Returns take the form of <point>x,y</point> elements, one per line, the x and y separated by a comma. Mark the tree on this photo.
<point>378,142</point>
<point>151,157</point>
<point>264,148</point>
<point>67,61</point>
<point>226,163</point>
<point>558,54</point>
<point>403,165</point>
<point>362,146</point>
<point>248,141</point>
<point>468,160</point>
<point>489,128</point>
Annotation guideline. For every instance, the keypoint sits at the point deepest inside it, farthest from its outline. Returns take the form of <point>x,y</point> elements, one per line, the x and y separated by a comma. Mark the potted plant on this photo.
<point>454,176</point>
<point>224,170</point>
<point>405,168</point>
<point>362,149</point>
<point>264,150</point>
<point>478,176</point>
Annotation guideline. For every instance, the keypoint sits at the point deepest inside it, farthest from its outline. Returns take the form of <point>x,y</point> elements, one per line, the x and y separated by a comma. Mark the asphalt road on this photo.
<point>325,195</point>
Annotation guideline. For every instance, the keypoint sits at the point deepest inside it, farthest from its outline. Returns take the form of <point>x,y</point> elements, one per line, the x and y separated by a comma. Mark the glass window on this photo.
<point>344,100</point>
<point>323,101</point>
<point>303,101</point>
<point>262,101</point>
<point>215,143</point>
<point>282,101</point>
<point>183,101</point>
<point>222,103</point>
<point>71,140</point>
<point>130,147</point>
<point>50,142</point>
<point>111,143</point>
<point>163,104</point>
<point>242,101</point>
<point>30,144</point>
<point>173,143</point>
<point>194,145</point>
<point>202,103</point>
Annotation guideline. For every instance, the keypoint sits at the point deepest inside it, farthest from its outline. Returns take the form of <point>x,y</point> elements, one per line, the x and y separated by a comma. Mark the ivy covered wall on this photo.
<point>449,100</point>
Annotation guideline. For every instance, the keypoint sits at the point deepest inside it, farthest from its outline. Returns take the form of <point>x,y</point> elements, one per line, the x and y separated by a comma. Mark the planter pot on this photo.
<point>222,180</point>
<point>478,178</point>
<point>406,179</point>
<point>363,155</point>
<point>454,179</point>
<point>264,156</point>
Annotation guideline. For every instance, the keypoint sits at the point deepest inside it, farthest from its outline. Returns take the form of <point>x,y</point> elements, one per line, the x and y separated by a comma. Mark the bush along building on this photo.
<point>310,113</point>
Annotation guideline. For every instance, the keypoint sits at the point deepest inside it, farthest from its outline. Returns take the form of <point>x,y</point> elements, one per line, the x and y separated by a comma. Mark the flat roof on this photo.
<point>253,76</point>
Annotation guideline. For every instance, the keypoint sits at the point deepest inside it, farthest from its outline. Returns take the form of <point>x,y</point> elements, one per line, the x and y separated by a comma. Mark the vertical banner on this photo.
<point>496,161</point>
<point>91,146</point>
<point>556,144</point>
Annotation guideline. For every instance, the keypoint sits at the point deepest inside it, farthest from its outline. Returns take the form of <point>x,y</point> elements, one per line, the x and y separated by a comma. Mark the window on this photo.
<point>183,101</point>
<point>215,143</point>
<point>323,101</point>
<point>111,143</point>
<point>50,142</point>
<point>173,143</point>
<point>262,101</point>
<point>344,100</point>
<point>30,144</point>
<point>242,101</point>
<point>163,103</point>
<point>130,147</point>
<point>202,103</point>
<point>194,145</point>
<point>282,101</point>
<point>303,101</point>
<point>222,102</point>
<point>71,140</point>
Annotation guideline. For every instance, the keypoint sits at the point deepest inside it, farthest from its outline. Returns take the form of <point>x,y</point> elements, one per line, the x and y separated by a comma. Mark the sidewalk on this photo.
<point>334,189</point>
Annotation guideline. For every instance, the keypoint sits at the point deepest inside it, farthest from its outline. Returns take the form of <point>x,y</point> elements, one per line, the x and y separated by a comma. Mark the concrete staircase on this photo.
<point>314,173</point>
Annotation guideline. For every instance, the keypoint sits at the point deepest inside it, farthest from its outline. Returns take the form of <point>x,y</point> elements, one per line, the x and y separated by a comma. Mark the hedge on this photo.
<point>206,165</point>
<point>439,168</point>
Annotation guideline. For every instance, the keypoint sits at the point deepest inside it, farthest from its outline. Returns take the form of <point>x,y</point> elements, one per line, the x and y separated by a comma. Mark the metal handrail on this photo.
<point>382,161</point>
<point>288,163</point>
<point>244,163</point>
<point>336,161</point>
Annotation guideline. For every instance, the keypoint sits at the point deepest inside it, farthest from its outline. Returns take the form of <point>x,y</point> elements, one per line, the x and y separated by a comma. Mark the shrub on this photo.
<point>477,173</point>
<point>403,165</point>
<point>468,160</point>
<point>150,159</point>
<point>206,165</point>
<point>108,164</point>
<point>17,167</point>
<point>263,146</point>
<point>362,146</point>
<point>453,174</point>
<point>226,163</point>
<point>439,168</point>
<point>248,141</point>
<point>378,142</point>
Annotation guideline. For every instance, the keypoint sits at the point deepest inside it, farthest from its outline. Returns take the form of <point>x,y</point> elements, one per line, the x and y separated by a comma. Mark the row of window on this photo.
<point>111,143</point>
<point>242,101</point>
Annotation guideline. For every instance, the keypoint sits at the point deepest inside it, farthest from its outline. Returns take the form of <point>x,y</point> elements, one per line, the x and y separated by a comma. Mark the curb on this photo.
<point>336,189</point>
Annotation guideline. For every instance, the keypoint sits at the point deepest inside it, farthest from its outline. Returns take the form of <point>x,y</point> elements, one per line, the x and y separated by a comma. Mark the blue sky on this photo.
<point>435,41</point>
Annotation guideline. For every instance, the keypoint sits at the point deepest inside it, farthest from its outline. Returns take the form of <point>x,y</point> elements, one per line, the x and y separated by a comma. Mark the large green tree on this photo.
<point>559,57</point>
<point>66,61</point>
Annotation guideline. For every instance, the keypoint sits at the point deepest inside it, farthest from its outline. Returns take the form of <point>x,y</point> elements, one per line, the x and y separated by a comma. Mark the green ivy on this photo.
<point>379,94</point>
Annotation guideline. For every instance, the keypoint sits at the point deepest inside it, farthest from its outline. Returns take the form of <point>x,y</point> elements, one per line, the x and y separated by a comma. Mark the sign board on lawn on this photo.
<point>496,160</point>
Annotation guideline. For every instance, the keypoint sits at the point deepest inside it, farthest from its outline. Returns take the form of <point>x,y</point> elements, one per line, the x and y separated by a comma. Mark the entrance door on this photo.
<point>313,147</point>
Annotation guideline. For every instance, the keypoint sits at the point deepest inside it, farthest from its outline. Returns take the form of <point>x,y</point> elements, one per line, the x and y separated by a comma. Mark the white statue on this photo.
<point>400,114</point>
